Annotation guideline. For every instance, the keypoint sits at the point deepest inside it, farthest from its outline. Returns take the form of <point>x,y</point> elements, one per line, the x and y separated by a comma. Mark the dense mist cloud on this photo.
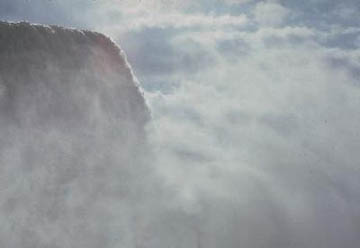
<point>253,134</point>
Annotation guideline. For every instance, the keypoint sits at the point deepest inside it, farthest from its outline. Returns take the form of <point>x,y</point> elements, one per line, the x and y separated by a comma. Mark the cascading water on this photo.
<point>72,129</point>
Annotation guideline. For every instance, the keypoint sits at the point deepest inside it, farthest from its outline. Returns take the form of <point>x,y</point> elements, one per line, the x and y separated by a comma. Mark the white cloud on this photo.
<point>177,20</point>
<point>270,13</point>
<point>140,20</point>
<point>276,124</point>
<point>237,1</point>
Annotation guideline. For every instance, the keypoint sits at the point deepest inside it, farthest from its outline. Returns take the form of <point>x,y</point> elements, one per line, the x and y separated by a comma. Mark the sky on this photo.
<point>254,104</point>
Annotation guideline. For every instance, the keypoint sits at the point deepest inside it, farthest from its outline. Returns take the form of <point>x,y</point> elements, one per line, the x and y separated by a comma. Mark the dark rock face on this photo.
<point>71,138</point>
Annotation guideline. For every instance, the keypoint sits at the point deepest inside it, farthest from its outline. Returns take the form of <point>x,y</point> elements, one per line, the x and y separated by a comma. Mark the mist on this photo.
<point>240,131</point>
